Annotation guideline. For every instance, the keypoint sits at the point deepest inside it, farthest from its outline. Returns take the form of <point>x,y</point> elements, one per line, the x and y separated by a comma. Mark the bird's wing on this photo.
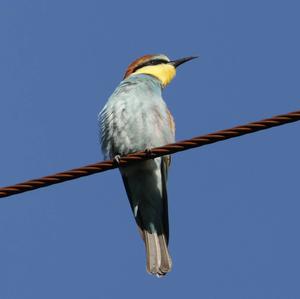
<point>145,184</point>
<point>165,162</point>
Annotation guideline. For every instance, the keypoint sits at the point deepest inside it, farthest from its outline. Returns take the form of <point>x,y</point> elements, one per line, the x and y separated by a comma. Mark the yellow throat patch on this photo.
<point>164,72</point>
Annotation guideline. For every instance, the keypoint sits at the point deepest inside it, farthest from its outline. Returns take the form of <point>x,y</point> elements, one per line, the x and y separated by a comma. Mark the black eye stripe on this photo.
<point>151,62</point>
<point>157,61</point>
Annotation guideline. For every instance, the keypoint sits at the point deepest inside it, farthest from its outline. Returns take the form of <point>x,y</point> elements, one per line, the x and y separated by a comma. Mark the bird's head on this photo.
<point>159,66</point>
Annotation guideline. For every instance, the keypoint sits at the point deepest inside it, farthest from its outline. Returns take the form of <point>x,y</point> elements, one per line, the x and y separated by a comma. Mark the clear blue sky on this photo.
<point>234,206</point>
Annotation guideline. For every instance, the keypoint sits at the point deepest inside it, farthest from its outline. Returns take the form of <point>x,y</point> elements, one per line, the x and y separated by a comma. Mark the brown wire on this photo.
<point>155,152</point>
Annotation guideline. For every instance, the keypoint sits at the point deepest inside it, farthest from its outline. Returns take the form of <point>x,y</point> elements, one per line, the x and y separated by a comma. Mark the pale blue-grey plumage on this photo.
<point>136,118</point>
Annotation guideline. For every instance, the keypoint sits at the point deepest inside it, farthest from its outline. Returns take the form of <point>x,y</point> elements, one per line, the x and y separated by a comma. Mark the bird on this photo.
<point>136,118</point>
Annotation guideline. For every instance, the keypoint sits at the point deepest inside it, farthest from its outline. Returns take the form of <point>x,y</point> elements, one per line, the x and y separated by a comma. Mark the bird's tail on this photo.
<point>145,184</point>
<point>157,255</point>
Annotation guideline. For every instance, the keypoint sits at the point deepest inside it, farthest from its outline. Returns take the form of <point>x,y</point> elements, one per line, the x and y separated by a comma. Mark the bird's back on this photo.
<point>135,118</point>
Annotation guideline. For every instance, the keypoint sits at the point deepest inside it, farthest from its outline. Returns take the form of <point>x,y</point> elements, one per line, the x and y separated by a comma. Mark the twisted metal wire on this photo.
<point>155,152</point>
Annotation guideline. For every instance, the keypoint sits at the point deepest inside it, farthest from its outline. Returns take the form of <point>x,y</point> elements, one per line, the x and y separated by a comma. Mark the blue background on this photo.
<point>234,205</point>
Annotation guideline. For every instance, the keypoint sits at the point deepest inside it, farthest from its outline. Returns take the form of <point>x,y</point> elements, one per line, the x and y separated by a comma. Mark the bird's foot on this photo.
<point>149,153</point>
<point>116,160</point>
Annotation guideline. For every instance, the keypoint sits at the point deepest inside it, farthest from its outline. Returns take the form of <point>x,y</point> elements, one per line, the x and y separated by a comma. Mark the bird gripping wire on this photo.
<point>155,152</point>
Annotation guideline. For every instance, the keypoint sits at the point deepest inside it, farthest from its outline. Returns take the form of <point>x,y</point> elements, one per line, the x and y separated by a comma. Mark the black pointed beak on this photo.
<point>178,62</point>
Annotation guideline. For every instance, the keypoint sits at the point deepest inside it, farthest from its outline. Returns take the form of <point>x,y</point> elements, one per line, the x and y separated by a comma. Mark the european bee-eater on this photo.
<point>136,118</point>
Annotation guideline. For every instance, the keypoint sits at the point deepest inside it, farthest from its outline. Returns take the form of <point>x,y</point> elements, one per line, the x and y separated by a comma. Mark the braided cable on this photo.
<point>155,152</point>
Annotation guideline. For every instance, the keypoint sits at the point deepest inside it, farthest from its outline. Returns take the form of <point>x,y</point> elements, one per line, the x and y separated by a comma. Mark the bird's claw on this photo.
<point>149,152</point>
<point>117,159</point>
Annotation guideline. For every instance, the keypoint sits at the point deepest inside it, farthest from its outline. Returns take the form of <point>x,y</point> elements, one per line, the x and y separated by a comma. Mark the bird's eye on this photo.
<point>152,62</point>
<point>157,61</point>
